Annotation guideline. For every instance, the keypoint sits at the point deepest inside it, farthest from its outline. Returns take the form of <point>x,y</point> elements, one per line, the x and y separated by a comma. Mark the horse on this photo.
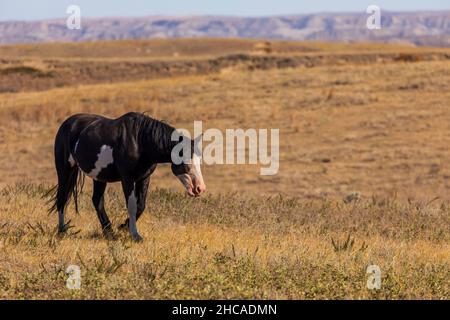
<point>126,150</point>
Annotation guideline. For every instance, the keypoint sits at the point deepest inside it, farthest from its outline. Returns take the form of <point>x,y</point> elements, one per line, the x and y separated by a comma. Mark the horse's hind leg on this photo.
<point>99,204</point>
<point>67,180</point>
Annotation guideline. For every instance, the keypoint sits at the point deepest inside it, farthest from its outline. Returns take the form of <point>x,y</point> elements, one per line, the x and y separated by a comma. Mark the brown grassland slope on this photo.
<point>369,120</point>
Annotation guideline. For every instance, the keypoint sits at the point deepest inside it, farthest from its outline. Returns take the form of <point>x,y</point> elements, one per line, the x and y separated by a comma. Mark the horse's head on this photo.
<point>190,174</point>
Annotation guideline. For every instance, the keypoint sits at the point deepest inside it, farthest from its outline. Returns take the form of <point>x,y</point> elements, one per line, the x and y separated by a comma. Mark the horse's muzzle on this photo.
<point>194,187</point>
<point>199,190</point>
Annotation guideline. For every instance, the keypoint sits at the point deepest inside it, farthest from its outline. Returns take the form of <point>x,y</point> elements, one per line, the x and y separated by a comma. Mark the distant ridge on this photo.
<point>414,28</point>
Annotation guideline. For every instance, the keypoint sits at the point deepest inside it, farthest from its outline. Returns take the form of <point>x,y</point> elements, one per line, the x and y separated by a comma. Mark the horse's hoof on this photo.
<point>63,229</point>
<point>123,226</point>
<point>109,234</point>
<point>137,238</point>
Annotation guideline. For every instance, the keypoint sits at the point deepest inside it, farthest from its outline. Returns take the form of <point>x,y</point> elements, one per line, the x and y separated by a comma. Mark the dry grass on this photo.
<point>360,120</point>
<point>227,246</point>
<point>175,48</point>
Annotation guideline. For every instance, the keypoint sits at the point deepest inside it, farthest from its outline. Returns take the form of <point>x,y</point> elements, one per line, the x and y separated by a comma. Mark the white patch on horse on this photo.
<point>104,159</point>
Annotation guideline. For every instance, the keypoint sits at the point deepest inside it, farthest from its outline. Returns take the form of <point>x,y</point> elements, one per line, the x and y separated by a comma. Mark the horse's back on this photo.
<point>80,121</point>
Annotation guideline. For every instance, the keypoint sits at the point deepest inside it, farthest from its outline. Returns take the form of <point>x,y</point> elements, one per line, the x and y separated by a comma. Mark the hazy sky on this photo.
<point>43,9</point>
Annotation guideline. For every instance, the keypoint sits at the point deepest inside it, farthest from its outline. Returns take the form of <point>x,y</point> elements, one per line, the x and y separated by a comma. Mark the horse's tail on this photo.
<point>70,177</point>
<point>61,193</point>
<point>51,193</point>
<point>78,189</point>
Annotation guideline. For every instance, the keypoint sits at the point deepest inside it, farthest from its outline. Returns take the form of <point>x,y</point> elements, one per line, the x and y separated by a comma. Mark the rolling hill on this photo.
<point>413,28</point>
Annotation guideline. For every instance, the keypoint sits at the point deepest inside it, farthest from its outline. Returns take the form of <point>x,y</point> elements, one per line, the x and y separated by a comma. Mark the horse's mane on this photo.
<point>156,132</point>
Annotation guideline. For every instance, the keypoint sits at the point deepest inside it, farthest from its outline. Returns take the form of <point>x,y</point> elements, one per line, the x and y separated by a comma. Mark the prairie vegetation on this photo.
<point>364,171</point>
<point>227,246</point>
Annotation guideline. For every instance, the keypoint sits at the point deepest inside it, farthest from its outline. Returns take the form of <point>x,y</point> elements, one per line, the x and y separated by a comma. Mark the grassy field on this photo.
<point>227,246</point>
<point>369,122</point>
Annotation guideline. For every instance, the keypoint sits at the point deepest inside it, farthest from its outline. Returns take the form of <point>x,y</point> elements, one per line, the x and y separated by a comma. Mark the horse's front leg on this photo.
<point>141,189</point>
<point>129,190</point>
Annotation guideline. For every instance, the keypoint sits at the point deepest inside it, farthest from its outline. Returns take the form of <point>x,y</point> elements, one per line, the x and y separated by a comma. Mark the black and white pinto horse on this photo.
<point>126,149</point>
